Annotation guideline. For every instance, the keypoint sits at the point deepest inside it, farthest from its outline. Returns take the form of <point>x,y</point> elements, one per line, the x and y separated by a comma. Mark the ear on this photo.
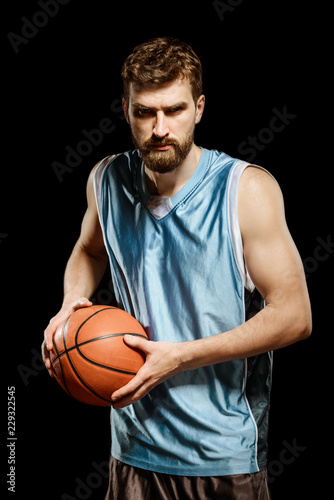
<point>200,108</point>
<point>125,109</point>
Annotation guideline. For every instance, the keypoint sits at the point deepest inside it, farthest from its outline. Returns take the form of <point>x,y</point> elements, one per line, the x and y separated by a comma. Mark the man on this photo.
<point>196,242</point>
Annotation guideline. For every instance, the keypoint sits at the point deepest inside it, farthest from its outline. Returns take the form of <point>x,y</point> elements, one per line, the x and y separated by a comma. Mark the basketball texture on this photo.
<point>89,357</point>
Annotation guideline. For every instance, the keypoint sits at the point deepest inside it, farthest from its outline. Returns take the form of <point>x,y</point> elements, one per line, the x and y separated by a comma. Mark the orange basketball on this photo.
<point>90,358</point>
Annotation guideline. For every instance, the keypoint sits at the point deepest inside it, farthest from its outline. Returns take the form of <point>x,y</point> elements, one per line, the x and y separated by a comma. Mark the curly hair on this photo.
<point>162,60</point>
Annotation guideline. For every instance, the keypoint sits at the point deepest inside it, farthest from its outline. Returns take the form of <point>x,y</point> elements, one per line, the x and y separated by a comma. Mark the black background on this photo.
<point>257,56</point>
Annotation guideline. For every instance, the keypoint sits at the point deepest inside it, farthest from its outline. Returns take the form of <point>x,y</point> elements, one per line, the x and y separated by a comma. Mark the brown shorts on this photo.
<point>131,483</point>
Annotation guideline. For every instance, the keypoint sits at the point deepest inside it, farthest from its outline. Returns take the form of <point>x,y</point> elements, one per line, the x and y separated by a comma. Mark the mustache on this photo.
<point>162,141</point>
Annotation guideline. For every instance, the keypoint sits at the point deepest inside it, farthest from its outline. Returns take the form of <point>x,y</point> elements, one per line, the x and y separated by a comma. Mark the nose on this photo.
<point>160,128</point>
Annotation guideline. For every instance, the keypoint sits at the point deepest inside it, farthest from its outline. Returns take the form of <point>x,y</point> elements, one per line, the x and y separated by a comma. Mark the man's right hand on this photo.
<point>61,316</point>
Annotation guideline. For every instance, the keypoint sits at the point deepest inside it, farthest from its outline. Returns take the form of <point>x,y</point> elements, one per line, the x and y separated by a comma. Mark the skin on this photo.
<point>167,112</point>
<point>270,254</point>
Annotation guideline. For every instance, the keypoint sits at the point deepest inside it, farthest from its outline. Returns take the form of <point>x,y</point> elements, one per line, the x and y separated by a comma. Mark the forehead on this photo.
<point>163,96</point>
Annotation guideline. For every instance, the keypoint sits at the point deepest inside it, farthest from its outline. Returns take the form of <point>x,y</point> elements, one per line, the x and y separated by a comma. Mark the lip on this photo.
<point>159,147</point>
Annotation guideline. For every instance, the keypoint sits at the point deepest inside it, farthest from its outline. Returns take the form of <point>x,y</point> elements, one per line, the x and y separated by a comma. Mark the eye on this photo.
<point>144,111</point>
<point>175,109</point>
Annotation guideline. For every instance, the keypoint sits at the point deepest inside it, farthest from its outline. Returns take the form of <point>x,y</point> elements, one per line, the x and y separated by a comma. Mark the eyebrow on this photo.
<point>180,104</point>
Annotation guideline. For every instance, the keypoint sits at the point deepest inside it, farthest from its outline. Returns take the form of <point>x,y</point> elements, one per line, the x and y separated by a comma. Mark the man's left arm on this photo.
<point>276,270</point>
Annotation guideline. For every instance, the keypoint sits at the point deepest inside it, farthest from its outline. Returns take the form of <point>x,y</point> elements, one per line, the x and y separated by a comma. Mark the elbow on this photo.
<point>298,314</point>
<point>302,326</point>
<point>305,330</point>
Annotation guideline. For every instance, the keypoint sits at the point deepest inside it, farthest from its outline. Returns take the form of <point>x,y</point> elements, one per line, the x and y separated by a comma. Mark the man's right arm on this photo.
<point>84,270</point>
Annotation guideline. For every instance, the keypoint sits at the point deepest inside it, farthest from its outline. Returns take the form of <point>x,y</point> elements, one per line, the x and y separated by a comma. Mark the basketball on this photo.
<point>90,360</point>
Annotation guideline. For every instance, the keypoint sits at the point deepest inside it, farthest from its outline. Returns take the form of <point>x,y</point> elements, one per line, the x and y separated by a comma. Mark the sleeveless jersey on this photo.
<point>177,266</point>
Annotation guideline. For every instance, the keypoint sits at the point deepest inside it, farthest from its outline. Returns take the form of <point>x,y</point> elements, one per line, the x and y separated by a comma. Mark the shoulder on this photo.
<point>91,179</point>
<point>260,201</point>
<point>97,172</point>
<point>256,180</point>
<point>257,186</point>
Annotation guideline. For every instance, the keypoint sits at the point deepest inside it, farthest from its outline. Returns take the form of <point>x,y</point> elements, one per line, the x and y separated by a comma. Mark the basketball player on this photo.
<point>196,242</point>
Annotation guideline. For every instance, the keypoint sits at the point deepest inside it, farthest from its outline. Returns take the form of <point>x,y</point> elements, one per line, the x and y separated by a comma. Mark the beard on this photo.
<point>164,161</point>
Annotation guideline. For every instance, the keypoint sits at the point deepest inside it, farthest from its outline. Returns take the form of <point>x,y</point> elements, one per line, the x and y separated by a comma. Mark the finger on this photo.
<point>127,389</point>
<point>61,317</point>
<point>127,401</point>
<point>49,331</point>
<point>53,325</point>
<point>48,339</point>
<point>46,359</point>
<point>132,397</point>
<point>49,367</point>
<point>137,342</point>
<point>82,302</point>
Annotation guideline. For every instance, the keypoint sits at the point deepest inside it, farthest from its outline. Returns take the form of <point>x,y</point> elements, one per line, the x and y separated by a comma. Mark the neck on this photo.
<point>170,183</point>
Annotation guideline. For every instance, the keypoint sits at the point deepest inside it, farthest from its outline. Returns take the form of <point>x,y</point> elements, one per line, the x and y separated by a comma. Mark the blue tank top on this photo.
<point>177,266</point>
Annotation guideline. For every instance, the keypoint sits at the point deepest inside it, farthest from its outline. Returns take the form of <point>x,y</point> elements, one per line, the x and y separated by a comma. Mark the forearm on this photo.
<point>83,273</point>
<point>272,328</point>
